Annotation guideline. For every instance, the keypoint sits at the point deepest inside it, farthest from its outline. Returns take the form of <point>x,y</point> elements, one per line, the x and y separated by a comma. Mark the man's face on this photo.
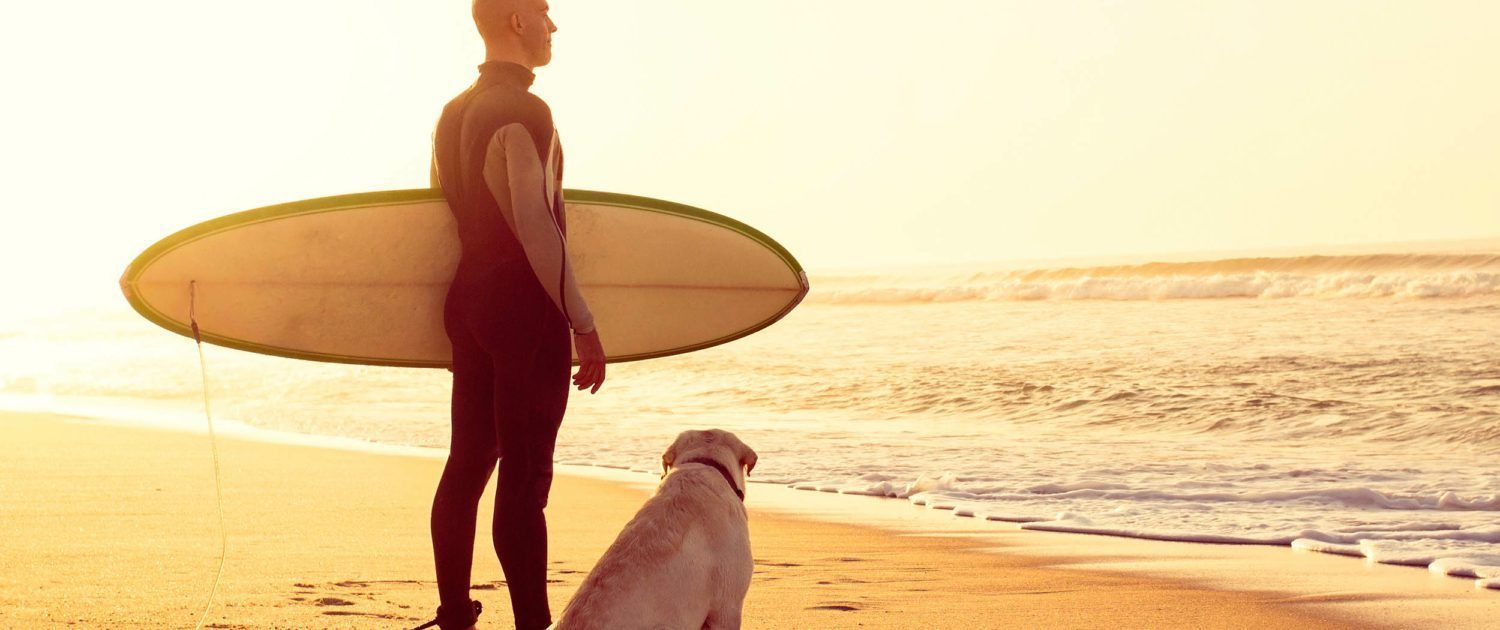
<point>536,36</point>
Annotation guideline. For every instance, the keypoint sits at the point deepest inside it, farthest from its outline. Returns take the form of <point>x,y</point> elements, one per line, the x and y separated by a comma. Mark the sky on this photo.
<point>855,132</point>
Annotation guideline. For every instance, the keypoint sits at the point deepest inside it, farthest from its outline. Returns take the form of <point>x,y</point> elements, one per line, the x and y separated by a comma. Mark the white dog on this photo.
<point>683,562</point>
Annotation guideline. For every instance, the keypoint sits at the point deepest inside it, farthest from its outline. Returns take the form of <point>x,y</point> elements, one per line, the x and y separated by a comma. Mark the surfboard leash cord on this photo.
<point>213,445</point>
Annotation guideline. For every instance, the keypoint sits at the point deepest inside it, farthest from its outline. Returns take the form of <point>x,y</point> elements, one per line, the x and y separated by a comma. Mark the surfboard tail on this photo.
<point>126,287</point>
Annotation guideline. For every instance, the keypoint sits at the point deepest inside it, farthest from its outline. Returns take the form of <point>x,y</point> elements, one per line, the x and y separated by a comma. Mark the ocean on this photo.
<point>1345,404</point>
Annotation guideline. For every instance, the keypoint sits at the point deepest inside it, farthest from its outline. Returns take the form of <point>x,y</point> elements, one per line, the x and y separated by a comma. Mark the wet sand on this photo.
<point>109,525</point>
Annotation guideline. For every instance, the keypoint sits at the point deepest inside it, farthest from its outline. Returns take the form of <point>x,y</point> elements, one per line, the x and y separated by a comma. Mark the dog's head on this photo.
<point>715,444</point>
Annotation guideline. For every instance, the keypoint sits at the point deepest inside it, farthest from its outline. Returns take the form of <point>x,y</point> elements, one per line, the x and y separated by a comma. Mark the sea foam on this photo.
<point>1378,276</point>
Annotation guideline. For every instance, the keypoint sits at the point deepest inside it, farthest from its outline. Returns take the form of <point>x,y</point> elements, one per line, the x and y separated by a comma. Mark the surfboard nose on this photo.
<point>802,293</point>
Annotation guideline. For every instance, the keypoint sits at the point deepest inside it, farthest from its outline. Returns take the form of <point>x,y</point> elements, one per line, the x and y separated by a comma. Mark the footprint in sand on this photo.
<point>838,607</point>
<point>351,613</point>
<point>332,601</point>
<point>367,583</point>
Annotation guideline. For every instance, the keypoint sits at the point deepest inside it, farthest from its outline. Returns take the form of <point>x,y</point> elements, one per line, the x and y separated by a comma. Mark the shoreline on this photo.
<point>150,414</point>
<point>798,537</point>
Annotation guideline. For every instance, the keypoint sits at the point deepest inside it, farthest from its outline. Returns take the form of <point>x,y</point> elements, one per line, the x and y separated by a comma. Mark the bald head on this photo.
<point>518,31</point>
<point>492,17</point>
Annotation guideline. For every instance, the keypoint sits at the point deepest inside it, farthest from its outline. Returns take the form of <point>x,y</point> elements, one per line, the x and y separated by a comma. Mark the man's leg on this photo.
<point>471,459</point>
<point>532,396</point>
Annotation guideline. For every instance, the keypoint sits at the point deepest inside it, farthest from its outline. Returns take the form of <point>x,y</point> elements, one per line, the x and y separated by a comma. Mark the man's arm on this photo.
<point>511,165</point>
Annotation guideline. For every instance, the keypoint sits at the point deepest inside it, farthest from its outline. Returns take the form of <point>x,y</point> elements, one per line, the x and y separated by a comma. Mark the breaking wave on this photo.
<point>1369,276</point>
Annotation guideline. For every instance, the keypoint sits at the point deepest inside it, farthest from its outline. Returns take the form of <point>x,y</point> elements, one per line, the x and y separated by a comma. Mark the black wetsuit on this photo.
<point>511,357</point>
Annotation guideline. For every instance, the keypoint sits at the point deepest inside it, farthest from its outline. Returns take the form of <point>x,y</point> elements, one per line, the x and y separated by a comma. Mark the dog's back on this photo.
<point>684,557</point>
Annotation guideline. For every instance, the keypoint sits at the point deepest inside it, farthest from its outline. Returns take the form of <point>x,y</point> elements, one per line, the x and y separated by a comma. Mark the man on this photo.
<point>499,162</point>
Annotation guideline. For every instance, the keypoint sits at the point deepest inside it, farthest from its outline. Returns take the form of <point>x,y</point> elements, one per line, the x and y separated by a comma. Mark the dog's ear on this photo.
<point>747,458</point>
<point>667,458</point>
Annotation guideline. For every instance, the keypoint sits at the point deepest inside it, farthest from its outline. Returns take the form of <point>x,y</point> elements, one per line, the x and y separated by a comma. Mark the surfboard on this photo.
<point>362,278</point>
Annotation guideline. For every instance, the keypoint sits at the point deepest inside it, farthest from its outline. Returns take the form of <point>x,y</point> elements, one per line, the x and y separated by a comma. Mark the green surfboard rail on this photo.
<point>339,203</point>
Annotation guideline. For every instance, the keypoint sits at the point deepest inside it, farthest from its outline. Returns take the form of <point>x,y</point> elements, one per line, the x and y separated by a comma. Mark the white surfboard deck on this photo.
<point>362,278</point>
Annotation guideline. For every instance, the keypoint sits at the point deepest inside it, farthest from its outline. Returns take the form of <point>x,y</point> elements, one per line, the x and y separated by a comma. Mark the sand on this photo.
<point>107,525</point>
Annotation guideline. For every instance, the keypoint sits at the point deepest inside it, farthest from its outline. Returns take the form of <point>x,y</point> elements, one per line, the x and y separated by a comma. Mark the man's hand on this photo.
<point>590,361</point>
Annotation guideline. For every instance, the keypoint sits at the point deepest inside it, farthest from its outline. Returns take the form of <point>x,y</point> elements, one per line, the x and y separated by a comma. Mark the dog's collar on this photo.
<point>722,470</point>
